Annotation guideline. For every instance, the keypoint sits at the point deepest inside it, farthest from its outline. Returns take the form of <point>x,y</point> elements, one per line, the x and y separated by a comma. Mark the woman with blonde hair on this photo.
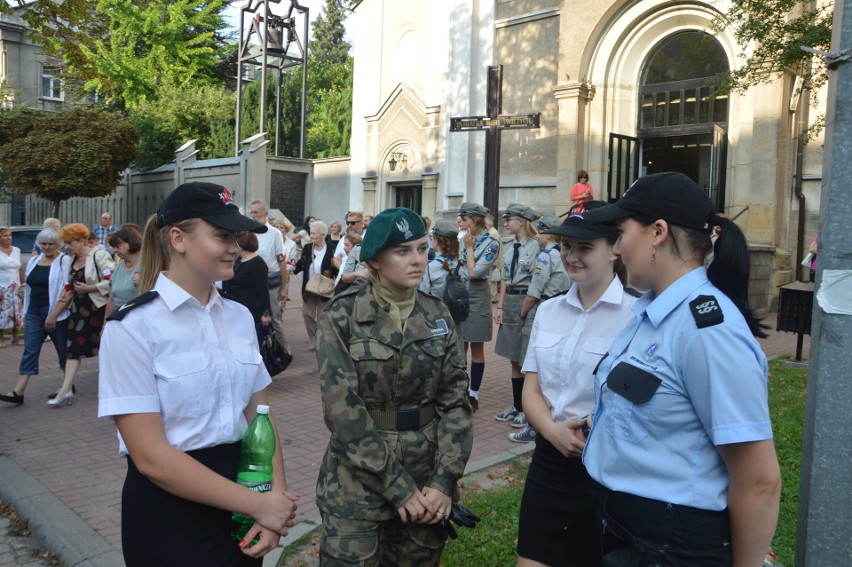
<point>181,376</point>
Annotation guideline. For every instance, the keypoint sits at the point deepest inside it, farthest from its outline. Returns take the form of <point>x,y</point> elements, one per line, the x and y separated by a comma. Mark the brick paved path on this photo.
<point>75,455</point>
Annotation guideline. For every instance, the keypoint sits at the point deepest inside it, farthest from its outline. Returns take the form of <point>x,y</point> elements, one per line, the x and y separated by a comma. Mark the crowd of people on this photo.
<point>648,450</point>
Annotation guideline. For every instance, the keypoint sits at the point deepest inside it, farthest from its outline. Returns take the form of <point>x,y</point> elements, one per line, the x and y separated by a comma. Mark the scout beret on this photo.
<point>446,229</point>
<point>473,210</point>
<point>389,228</point>
<point>547,222</point>
<point>670,196</point>
<point>523,211</point>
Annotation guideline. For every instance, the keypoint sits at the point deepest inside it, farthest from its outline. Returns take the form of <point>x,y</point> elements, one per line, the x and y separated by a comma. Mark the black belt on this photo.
<point>517,291</point>
<point>403,420</point>
<point>479,280</point>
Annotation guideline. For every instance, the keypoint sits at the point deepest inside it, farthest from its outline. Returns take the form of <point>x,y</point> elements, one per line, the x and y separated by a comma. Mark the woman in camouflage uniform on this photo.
<point>393,391</point>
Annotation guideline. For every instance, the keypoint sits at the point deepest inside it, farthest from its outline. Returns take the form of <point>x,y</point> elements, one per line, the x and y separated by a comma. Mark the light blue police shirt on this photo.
<point>713,391</point>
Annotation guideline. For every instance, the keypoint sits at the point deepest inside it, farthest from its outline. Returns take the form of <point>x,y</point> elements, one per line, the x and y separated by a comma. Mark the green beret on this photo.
<point>517,210</point>
<point>472,210</point>
<point>389,228</point>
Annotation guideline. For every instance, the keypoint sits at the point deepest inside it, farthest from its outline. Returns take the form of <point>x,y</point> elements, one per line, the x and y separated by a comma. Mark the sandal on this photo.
<point>12,397</point>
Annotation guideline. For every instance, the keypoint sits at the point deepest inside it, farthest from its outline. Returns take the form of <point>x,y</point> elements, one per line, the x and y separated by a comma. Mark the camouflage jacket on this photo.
<point>367,365</point>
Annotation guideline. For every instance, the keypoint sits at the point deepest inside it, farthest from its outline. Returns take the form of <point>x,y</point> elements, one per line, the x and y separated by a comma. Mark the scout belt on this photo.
<point>403,419</point>
<point>516,291</point>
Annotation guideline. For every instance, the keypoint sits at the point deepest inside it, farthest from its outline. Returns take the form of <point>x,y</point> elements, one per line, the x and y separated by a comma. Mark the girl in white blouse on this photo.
<point>181,377</point>
<point>570,334</point>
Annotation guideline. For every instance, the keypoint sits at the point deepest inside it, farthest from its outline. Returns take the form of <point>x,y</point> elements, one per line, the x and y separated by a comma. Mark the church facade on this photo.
<point>623,90</point>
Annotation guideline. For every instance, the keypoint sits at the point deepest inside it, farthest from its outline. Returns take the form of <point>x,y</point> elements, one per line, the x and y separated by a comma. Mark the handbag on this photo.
<point>273,280</point>
<point>321,286</point>
<point>275,358</point>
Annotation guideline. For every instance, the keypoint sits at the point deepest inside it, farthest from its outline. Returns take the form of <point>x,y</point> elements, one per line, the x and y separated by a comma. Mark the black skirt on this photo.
<point>557,523</point>
<point>159,528</point>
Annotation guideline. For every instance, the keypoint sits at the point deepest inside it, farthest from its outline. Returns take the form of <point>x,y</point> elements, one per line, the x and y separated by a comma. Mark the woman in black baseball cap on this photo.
<point>181,376</point>
<point>681,444</point>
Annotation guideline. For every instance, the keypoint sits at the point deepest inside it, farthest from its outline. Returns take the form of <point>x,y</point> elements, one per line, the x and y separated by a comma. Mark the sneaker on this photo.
<point>507,414</point>
<point>520,421</point>
<point>525,435</point>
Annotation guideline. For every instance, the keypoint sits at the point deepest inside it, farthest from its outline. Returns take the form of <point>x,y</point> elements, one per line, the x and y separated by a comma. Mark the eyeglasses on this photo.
<point>351,222</point>
<point>47,244</point>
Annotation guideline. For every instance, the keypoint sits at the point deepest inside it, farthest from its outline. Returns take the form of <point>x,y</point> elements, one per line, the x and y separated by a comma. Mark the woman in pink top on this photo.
<point>582,191</point>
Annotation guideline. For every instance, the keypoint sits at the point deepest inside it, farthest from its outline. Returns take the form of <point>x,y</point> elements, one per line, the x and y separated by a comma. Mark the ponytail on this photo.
<point>153,259</point>
<point>156,251</point>
<point>730,269</point>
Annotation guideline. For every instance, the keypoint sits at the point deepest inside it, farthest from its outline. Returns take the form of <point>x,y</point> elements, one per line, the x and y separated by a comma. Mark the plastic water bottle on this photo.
<point>255,471</point>
<point>771,560</point>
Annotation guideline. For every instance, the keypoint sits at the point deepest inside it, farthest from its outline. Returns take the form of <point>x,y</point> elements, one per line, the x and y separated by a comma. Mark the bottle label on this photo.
<point>256,486</point>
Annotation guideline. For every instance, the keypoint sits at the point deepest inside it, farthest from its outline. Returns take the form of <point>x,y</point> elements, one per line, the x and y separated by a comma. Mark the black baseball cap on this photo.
<point>206,201</point>
<point>670,196</point>
<point>577,225</point>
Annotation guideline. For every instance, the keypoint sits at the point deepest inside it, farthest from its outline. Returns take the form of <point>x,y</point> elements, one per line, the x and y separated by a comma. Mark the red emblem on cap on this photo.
<point>226,198</point>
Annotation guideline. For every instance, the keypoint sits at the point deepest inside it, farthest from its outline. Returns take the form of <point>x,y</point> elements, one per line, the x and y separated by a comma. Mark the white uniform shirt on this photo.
<point>196,366</point>
<point>270,247</point>
<point>567,342</point>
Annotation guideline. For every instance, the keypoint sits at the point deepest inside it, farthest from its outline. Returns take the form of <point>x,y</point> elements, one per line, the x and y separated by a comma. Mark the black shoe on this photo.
<point>53,395</point>
<point>15,398</point>
<point>474,403</point>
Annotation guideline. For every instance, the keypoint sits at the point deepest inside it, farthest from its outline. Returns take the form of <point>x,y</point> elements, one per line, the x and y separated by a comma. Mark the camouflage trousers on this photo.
<point>368,543</point>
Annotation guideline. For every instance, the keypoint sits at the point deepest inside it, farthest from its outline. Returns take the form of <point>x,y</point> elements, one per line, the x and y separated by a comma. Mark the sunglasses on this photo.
<point>351,222</point>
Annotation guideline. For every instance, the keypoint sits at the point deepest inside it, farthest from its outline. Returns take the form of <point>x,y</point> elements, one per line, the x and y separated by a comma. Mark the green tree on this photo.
<point>128,49</point>
<point>777,29</point>
<point>78,153</point>
<point>204,113</point>
<point>328,44</point>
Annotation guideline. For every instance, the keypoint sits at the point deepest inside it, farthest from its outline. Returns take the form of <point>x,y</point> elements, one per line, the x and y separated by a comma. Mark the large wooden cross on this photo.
<point>493,124</point>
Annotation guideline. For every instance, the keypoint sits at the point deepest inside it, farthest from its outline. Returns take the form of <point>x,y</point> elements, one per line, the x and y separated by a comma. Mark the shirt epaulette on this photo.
<point>119,313</point>
<point>706,311</point>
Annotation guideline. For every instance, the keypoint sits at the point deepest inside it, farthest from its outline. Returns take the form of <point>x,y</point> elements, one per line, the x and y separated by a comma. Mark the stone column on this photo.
<point>573,100</point>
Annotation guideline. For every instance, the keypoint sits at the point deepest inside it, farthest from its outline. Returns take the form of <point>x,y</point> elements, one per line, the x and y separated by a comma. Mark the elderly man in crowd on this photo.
<point>104,230</point>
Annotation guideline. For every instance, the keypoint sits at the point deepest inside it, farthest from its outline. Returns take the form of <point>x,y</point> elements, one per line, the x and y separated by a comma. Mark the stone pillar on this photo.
<point>185,156</point>
<point>370,184</point>
<point>430,195</point>
<point>253,174</point>
<point>573,100</point>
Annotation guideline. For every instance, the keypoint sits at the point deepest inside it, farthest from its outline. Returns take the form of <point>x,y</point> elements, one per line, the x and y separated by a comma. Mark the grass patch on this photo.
<point>496,496</point>
<point>494,539</point>
<point>787,389</point>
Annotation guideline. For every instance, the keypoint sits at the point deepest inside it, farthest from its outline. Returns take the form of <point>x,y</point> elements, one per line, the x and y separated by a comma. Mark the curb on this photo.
<point>54,524</point>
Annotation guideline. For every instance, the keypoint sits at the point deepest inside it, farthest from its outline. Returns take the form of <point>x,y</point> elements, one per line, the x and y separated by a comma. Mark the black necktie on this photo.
<point>514,264</point>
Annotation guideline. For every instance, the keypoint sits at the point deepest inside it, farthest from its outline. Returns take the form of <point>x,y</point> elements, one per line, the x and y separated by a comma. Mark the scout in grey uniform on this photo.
<point>446,246</point>
<point>480,251</point>
<point>548,280</point>
<point>393,392</point>
<point>518,264</point>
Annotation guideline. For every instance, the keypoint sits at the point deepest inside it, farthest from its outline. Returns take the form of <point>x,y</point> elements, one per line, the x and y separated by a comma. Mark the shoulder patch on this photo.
<point>706,311</point>
<point>119,313</point>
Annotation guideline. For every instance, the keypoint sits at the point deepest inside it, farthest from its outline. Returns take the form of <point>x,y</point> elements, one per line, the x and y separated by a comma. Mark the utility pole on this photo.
<point>825,495</point>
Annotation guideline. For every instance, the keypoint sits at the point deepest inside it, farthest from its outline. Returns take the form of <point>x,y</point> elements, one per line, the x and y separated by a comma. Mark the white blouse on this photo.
<point>567,342</point>
<point>10,267</point>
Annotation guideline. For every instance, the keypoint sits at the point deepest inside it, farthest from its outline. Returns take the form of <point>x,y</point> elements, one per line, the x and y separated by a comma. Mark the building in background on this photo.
<point>622,88</point>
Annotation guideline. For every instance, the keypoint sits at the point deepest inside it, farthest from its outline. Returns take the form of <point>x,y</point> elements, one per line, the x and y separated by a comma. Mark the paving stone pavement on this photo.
<point>74,456</point>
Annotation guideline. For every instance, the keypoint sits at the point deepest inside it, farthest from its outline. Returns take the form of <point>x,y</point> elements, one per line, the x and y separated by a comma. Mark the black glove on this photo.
<point>461,516</point>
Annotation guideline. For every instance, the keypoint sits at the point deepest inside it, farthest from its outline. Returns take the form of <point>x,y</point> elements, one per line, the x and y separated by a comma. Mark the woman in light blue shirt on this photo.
<point>681,444</point>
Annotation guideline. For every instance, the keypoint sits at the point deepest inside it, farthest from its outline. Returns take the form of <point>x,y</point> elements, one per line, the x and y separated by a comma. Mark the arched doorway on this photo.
<point>681,124</point>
